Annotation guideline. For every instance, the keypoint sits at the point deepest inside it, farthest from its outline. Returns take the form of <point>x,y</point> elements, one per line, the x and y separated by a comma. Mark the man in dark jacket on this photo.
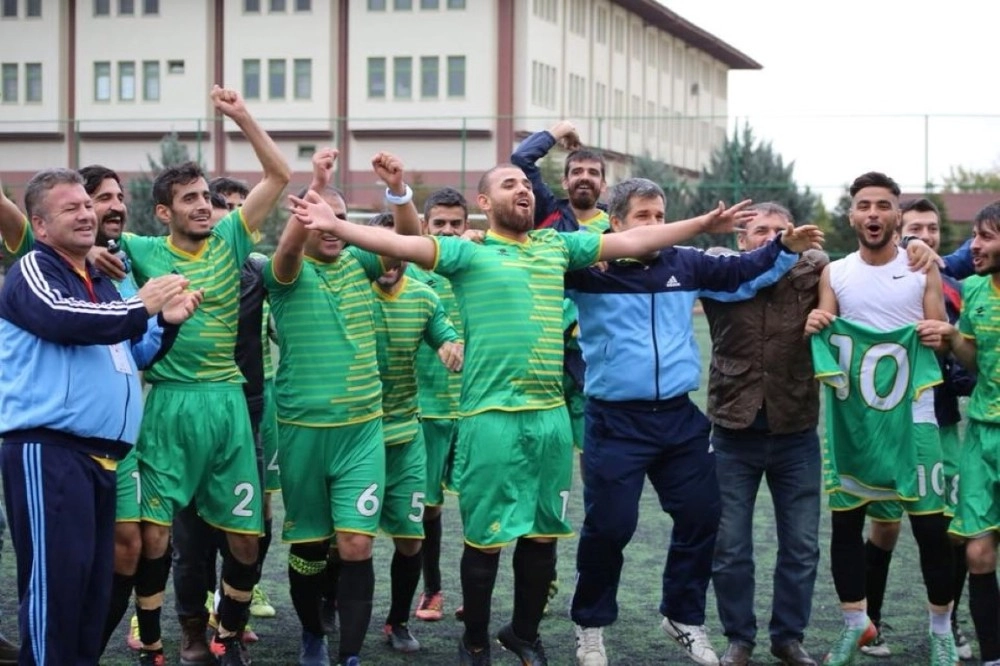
<point>764,406</point>
<point>62,321</point>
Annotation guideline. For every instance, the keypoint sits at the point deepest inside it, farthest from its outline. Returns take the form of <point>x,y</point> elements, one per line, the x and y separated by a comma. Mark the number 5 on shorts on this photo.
<point>368,503</point>
<point>417,503</point>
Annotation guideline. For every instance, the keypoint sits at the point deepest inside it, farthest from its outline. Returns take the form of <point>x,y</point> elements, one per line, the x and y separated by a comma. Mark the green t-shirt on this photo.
<point>597,224</point>
<point>24,247</point>
<point>325,319</point>
<point>438,390</point>
<point>203,351</point>
<point>406,321</point>
<point>510,295</point>
<point>872,379</point>
<point>980,320</point>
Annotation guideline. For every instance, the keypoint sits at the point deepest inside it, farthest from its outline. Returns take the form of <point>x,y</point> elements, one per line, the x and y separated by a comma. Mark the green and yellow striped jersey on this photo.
<point>325,318</point>
<point>203,351</point>
<point>407,320</point>
<point>438,390</point>
<point>510,295</point>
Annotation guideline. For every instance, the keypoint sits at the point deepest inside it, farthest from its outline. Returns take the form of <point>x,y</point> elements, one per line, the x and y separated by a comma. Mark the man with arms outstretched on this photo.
<point>513,414</point>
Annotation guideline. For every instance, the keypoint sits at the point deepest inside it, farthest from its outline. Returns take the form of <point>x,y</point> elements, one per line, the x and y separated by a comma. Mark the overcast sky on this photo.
<point>847,84</point>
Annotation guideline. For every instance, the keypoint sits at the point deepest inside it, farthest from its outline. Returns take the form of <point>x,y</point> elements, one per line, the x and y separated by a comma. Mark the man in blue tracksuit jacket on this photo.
<point>70,407</point>
<point>636,333</point>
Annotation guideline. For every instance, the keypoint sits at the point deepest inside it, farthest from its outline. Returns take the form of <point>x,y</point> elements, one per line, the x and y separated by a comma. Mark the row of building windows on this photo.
<point>32,8</point>
<point>10,82</point>
<point>276,6</point>
<point>543,85</point>
<point>277,78</point>
<point>407,5</point>
<point>430,77</point>
<point>127,80</point>
<point>127,7</point>
<point>544,80</point>
<point>547,10</point>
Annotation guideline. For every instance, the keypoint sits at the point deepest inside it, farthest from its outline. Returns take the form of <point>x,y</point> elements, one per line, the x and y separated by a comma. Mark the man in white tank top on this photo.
<point>875,287</point>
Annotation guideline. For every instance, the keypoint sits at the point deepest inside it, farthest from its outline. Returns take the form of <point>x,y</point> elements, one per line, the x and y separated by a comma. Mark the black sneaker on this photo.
<point>152,658</point>
<point>530,653</point>
<point>467,657</point>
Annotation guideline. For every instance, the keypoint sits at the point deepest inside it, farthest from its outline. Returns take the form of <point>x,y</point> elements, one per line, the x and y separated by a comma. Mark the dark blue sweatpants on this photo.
<point>624,443</point>
<point>61,510</point>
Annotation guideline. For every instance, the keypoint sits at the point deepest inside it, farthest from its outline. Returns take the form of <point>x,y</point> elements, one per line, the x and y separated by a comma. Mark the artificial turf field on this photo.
<point>635,639</point>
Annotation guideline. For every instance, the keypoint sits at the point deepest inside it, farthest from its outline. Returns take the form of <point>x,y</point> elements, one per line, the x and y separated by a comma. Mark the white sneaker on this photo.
<point>694,640</point>
<point>590,646</point>
<point>877,647</point>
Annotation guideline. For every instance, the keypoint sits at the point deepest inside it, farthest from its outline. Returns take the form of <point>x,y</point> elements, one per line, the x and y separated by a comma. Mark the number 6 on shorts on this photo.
<point>368,503</point>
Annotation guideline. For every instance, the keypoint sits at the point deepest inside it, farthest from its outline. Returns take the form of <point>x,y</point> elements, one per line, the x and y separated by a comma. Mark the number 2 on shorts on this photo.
<point>246,490</point>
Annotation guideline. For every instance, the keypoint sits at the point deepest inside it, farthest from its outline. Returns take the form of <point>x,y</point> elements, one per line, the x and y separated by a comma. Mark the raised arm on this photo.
<point>267,192</point>
<point>534,148</point>
<point>389,168</point>
<point>314,213</point>
<point>641,241</point>
<point>13,224</point>
<point>287,261</point>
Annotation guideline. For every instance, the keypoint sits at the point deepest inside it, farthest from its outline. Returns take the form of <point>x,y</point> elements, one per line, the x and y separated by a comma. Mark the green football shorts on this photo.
<point>269,440</point>
<point>332,479</point>
<point>405,489</point>
<point>196,443</point>
<point>513,472</point>
<point>439,440</point>
<point>978,509</point>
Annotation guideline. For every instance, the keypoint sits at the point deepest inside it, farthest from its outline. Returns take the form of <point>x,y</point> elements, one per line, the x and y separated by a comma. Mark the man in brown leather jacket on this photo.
<point>764,406</point>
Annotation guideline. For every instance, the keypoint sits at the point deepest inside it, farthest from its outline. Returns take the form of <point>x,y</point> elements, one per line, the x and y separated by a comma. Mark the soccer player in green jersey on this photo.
<point>409,314</point>
<point>196,441</point>
<point>329,407</point>
<point>446,213</point>
<point>975,342</point>
<point>510,291</point>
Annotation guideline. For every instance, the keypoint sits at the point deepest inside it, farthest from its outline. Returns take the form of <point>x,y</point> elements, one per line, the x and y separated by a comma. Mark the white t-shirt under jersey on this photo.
<point>883,297</point>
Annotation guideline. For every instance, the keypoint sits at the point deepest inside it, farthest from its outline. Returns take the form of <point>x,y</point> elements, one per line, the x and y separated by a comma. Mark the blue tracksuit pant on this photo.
<point>625,442</point>
<point>61,510</point>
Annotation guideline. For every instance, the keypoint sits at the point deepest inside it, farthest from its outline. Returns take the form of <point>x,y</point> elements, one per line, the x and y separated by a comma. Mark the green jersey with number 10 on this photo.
<point>872,379</point>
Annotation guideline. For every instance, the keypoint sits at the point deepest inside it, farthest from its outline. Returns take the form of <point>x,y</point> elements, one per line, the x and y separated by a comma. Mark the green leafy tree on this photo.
<point>141,219</point>
<point>960,179</point>
<point>743,168</point>
<point>676,188</point>
<point>840,237</point>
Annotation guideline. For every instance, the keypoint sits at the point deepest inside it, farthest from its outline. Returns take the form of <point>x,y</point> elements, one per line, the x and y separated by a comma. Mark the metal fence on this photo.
<point>828,151</point>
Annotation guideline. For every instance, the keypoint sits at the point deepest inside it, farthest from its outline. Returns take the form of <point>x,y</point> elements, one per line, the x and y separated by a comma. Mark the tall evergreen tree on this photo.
<point>743,168</point>
<point>676,188</point>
